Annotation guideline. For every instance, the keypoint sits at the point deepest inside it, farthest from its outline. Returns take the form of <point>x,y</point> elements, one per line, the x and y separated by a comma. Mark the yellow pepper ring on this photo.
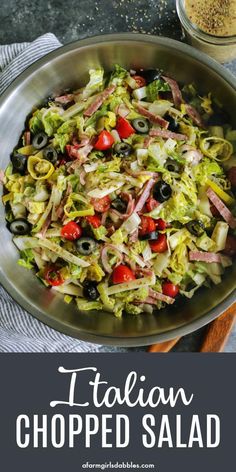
<point>39,169</point>
<point>216,148</point>
<point>88,209</point>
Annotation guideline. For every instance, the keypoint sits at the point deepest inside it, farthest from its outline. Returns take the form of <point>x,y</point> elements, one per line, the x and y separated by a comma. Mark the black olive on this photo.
<point>19,162</point>
<point>19,226</point>
<point>162,191</point>
<point>50,154</point>
<point>195,227</point>
<point>123,149</point>
<point>172,166</point>
<point>150,75</point>
<point>85,245</point>
<point>149,236</point>
<point>40,140</point>
<point>141,125</point>
<point>90,290</point>
<point>119,205</point>
<point>173,124</point>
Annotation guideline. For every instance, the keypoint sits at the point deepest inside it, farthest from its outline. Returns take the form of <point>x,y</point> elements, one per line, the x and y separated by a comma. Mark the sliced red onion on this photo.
<point>116,136</point>
<point>104,217</point>
<point>134,236</point>
<point>104,256</point>
<point>122,110</point>
<point>82,177</point>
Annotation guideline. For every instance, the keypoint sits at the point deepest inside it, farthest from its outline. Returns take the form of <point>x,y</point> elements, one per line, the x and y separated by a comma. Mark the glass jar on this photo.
<point>223,49</point>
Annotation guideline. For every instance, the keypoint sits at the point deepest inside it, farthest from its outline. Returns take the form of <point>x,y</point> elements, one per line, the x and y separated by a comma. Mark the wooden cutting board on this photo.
<point>215,336</point>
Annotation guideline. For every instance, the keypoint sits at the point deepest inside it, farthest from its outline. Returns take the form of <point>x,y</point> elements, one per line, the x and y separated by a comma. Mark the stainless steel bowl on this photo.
<point>68,67</point>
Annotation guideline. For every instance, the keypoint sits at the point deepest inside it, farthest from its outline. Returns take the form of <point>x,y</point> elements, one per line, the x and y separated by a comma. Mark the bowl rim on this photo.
<point>63,326</point>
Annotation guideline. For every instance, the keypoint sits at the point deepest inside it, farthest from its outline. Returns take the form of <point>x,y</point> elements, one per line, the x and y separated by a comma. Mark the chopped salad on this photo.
<point>121,195</point>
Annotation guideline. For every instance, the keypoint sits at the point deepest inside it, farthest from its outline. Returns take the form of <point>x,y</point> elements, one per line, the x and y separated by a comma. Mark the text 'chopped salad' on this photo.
<point>121,194</point>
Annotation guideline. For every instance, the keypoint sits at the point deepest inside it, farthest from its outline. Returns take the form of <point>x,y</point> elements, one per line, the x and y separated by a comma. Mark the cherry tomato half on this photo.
<point>170,289</point>
<point>230,246</point>
<point>53,276</point>
<point>71,231</point>
<point>159,244</point>
<point>151,203</point>
<point>122,273</point>
<point>147,225</point>
<point>160,224</point>
<point>104,141</point>
<point>124,128</point>
<point>94,221</point>
<point>231,174</point>
<point>101,204</point>
<point>140,81</point>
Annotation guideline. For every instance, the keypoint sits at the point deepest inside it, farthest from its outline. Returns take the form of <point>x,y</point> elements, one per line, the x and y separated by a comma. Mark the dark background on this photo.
<point>69,20</point>
<point>74,19</point>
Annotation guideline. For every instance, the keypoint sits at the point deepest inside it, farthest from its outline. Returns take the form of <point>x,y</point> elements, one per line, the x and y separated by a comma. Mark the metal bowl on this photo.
<point>68,67</point>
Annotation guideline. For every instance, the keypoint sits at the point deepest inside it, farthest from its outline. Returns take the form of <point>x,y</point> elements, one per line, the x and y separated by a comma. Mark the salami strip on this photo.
<point>145,195</point>
<point>153,118</point>
<point>176,93</point>
<point>160,296</point>
<point>204,256</point>
<point>168,134</point>
<point>194,115</point>
<point>222,208</point>
<point>99,101</point>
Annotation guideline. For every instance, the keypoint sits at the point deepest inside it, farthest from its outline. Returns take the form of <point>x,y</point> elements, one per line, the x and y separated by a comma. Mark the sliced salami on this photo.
<point>168,134</point>
<point>95,105</point>
<point>222,208</point>
<point>160,296</point>
<point>153,118</point>
<point>176,93</point>
<point>202,256</point>
<point>194,115</point>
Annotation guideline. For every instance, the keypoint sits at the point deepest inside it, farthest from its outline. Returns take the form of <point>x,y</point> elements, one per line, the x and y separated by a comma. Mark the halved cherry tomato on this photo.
<point>231,174</point>
<point>122,273</point>
<point>160,224</point>
<point>124,128</point>
<point>71,231</point>
<point>170,289</point>
<point>140,81</point>
<point>104,141</point>
<point>94,221</point>
<point>159,244</point>
<point>230,246</point>
<point>151,203</point>
<point>53,276</point>
<point>101,204</point>
<point>147,225</point>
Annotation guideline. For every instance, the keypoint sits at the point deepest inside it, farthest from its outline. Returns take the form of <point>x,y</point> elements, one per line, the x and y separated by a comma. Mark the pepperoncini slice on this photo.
<point>216,148</point>
<point>221,193</point>
<point>39,169</point>
<point>77,205</point>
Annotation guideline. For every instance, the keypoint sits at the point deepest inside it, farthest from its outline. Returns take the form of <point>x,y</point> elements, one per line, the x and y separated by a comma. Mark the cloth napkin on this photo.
<point>19,331</point>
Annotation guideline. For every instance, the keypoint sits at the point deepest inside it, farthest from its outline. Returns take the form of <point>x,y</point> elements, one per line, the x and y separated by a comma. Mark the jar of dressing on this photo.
<point>210,25</point>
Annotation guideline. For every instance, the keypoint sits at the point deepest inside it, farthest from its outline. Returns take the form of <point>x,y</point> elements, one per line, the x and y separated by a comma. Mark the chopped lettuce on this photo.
<point>26,259</point>
<point>154,88</point>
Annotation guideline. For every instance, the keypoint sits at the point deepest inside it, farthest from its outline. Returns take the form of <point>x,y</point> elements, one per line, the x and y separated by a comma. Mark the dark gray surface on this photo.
<point>76,19</point>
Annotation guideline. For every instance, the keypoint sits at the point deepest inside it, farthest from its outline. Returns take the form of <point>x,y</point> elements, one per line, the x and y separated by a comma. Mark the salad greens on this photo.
<point>119,195</point>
